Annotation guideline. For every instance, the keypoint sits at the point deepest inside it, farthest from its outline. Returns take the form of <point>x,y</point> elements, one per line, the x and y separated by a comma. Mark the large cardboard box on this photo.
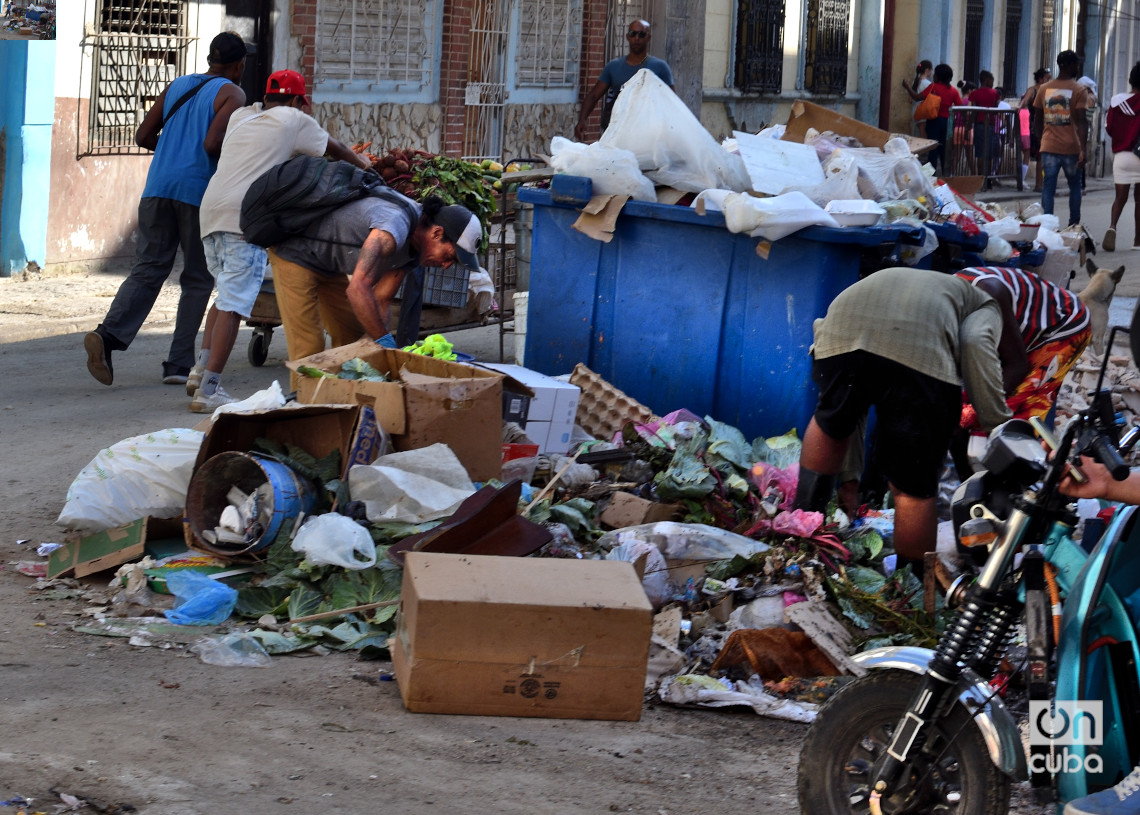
<point>550,412</point>
<point>111,547</point>
<point>503,636</point>
<point>427,401</point>
<point>807,115</point>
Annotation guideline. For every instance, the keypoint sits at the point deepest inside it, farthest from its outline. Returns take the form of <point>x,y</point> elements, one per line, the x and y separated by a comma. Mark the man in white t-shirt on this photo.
<point>258,137</point>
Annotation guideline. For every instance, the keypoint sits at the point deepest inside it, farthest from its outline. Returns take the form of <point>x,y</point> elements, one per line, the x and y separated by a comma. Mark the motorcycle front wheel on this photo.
<point>855,727</point>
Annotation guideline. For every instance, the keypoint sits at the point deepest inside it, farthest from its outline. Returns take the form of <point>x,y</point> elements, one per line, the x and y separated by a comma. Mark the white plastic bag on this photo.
<point>140,476</point>
<point>267,399</point>
<point>672,146</point>
<point>335,540</point>
<point>840,180</point>
<point>998,250</point>
<point>891,173</point>
<point>1007,227</point>
<point>612,170</point>
<point>413,486</point>
<point>768,218</point>
<point>911,254</point>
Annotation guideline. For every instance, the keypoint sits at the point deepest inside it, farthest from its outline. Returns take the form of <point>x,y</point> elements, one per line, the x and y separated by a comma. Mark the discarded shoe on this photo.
<point>1123,799</point>
<point>1109,242</point>
<point>98,358</point>
<point>194,379</point>
<point>201,403</point>
<point>174,374</point>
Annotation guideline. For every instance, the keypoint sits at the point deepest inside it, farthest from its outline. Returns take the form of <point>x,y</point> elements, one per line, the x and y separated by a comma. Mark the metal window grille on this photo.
<point>138,48</point>
<point>759,45</point>
<point>972,56</point>
<point>375,44</point>
<point>549,41</point>
<point>1048,21</point>
<point>486,89</point>
<point>825,52</point>
<point>1012,37</point>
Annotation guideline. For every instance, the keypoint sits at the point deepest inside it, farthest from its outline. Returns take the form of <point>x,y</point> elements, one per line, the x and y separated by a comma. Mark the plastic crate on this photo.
<point>446,287</point>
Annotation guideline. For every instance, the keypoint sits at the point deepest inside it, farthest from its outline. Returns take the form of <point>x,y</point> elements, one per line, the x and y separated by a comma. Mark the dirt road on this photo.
<point>163,733</point>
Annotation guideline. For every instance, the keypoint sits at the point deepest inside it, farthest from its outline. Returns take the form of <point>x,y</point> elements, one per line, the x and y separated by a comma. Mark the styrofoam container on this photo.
<point>1028,232</point>
<point>855,212</point>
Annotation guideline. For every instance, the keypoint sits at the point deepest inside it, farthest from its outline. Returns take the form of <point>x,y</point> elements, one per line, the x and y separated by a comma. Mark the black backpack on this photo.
<point>287,198</point>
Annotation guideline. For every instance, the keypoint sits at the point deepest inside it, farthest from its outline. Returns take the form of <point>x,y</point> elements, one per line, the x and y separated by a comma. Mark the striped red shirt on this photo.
<point>1045,312</point>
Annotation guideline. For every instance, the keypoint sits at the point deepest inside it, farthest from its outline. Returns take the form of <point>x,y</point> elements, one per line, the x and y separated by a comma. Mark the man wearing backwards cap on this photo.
<point>184,128</point>
<point>259,136</point>
<point>341,274</point>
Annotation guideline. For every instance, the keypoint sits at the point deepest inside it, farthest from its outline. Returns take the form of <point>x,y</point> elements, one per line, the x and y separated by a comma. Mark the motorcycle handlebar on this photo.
<point>1107,455</point>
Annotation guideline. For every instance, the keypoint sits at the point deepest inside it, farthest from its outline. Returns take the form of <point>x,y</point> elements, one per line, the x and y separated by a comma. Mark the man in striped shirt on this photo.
<point>1044,330</point>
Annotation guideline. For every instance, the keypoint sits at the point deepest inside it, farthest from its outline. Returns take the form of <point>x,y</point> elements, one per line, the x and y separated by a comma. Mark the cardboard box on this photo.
<point>316,429</point>
<point>807,115</point>
<point>625,509</point>
<point>550,414</point>
<point>428,401</point>
<point>503,636</point>
<point>111,547</point>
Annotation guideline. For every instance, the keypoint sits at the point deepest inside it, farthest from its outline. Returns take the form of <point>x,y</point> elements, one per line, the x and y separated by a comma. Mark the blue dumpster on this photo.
<point>678,312</point>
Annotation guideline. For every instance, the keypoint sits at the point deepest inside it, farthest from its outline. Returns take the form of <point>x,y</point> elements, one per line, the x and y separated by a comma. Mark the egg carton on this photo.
<point>603,409</point>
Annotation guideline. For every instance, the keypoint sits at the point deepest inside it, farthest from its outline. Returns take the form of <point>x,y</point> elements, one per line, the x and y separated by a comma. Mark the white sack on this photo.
<point>672,146</point>
<point>612,170</point>
<point>140,476</point>
<point>768,218</point>
<point>413,486</point>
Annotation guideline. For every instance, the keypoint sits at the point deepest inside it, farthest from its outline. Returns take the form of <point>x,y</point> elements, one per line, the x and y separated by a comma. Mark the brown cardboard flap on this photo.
<point>807,115</point>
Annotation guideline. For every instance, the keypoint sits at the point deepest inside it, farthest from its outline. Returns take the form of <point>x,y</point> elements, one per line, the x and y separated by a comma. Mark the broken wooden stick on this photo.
<point>366,607</point>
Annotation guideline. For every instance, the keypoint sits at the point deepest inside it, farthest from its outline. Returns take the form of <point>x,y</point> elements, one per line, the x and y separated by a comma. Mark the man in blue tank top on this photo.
<point>619,71</point>
<point>184,128</point>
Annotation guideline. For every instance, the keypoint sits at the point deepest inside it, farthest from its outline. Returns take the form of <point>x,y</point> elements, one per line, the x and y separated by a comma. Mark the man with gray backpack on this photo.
<point>184,128</point>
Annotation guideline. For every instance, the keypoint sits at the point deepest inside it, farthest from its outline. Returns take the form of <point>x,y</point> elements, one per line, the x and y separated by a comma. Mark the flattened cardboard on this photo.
<point>806,115</point>
<point>429,401</point>
<point>599,217</point>
<point>500,636</point>
<point>111,547</point>
<point>625,509</point>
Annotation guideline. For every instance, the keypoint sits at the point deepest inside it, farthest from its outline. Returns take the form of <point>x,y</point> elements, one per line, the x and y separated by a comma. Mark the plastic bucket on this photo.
<point>211,483</point>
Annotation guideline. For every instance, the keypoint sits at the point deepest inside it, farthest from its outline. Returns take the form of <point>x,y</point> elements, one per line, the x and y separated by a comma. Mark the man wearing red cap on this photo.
<point>259,136</point>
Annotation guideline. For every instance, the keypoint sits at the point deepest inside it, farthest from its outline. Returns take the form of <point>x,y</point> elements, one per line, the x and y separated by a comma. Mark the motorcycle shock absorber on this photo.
<point>996,636</point>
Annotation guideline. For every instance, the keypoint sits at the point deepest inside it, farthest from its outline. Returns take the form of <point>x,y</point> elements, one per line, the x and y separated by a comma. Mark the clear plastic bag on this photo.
<point>140,476</point>
<point>672,146</point>
<point>336,540</point>
<point>237,650</point>
<point>768,218</point>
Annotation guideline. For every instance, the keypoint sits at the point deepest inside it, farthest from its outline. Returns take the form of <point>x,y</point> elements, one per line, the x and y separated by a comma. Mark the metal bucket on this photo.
<point>209,486</point>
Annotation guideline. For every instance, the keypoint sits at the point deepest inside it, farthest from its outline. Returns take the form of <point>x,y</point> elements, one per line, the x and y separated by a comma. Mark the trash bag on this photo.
<point>891,173</point>
<point>612,170</point>
<point>672,146</point>
<point>768,218</point>
<point>412,486</point>
<point>140,476</point>
<point>336,540</point>
<point>840,180</point>
<point>199,599</point>
<point>237,650</point>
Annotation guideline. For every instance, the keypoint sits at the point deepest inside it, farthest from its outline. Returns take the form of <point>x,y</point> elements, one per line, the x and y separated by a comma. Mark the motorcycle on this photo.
<point>927,731</point>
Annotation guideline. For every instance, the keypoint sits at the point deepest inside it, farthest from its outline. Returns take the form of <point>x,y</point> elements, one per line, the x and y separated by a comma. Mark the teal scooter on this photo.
<point>926,730</point>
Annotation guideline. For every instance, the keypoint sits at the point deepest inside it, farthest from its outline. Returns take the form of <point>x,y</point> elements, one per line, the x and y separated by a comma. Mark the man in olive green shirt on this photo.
<point>904,341</point>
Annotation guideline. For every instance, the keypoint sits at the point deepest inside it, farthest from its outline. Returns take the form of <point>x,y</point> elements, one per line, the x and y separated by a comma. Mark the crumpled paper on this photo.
<point>705,691</point>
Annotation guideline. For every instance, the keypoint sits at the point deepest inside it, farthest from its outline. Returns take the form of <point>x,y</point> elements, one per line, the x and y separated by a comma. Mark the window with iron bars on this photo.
<point>759,65</point>
<point>365,48</point>
<point>1012,57</point>
<point>138,48</point>
<point>548,43</point>
<point>825,47</point>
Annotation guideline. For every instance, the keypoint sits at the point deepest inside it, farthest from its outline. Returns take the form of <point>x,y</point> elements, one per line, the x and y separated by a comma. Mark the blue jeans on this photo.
<point>1053,163</point>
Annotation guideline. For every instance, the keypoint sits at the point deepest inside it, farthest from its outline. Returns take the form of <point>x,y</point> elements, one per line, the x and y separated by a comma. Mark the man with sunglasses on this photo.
<point>619,71</point>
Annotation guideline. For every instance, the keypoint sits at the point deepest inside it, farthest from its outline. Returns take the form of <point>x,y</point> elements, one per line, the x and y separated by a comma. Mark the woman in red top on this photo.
<point>1123,125</point>
<point>949,97</point>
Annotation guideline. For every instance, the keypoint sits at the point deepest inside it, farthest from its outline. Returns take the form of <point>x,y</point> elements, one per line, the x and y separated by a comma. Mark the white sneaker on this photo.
<point>201,403</point>
<point>194,379</point>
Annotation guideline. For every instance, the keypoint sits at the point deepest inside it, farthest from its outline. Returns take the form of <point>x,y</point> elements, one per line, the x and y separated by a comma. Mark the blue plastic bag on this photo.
<point>199,600</point>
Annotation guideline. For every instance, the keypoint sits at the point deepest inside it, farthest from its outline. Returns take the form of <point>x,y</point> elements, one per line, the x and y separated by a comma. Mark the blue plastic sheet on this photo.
<point>199,600</point>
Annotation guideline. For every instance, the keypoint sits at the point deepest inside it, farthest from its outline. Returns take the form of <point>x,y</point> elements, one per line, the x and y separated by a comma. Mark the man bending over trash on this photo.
<point>903,340</point>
